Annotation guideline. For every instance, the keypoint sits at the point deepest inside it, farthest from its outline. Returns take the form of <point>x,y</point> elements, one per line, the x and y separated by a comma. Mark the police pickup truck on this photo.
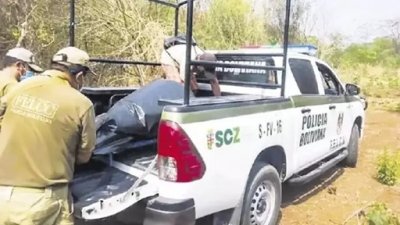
<point>226,157</point>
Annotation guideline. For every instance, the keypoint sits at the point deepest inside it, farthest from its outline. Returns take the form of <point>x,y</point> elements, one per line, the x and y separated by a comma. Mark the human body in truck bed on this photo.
<point>135,116</point>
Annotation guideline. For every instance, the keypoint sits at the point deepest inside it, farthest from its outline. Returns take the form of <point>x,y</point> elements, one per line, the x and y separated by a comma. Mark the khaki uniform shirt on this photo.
<point>48,127</point>
<point>6,83</point>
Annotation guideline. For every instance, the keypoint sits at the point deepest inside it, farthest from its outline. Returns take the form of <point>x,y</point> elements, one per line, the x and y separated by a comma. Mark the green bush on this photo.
<point>394,107</point>
<point>389,168</point>
<point>379,214</point>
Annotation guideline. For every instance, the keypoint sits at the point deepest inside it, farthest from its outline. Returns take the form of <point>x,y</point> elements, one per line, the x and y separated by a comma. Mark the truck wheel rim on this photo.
<point>262,204</point>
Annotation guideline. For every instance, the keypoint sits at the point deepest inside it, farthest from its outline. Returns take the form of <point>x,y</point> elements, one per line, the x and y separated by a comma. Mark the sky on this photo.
<point>357,20</point>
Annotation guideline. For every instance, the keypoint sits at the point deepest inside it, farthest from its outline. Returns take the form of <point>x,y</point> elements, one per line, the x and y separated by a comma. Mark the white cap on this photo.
<point>71,55</point>
<point>25,56</point>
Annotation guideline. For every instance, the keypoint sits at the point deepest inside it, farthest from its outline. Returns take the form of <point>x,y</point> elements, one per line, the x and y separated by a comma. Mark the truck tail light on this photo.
<point>178,159</point>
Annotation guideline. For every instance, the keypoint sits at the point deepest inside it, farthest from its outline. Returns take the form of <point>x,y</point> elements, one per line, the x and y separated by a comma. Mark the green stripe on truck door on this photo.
<point>240,110</point>
<point>214,114</point>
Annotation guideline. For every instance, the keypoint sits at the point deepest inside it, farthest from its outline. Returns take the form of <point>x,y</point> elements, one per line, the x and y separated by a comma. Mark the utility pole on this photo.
<point>72,23</point>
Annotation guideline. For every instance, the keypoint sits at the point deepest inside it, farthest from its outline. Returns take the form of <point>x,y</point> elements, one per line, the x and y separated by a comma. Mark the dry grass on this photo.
<point>375,81</point>
<point>381,85</point>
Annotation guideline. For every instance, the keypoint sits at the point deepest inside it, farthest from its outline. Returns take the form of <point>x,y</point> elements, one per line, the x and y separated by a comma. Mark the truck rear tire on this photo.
<point>263,196</point>
<point>352,148</point>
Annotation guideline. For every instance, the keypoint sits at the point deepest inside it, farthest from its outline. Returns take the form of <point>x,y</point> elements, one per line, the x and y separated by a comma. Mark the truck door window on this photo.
<point>329,81</point>
<point>304,75</point>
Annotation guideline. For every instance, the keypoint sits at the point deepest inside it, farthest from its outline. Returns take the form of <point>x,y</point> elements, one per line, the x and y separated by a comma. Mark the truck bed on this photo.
<point>107,176</point>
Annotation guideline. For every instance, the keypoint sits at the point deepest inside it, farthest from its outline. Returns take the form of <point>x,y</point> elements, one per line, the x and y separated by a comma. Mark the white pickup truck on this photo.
<point>227,156</point>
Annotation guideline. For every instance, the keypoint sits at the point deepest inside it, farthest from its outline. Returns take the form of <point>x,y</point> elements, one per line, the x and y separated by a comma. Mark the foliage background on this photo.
<point>135,30</point>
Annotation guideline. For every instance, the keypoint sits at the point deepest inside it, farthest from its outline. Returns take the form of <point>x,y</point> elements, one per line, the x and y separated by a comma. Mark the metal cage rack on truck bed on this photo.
<point>189,34</point>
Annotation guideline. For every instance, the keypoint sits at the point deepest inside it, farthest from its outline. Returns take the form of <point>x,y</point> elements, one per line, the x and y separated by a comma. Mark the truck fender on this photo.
<point>359,122</point>
<point>275,156</point>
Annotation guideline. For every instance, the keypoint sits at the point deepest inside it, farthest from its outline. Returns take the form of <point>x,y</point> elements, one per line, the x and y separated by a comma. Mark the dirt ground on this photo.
<point>337,195</point>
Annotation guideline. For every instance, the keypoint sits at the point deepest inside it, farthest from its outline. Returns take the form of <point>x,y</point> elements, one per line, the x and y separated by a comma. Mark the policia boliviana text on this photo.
<point>48,126</point>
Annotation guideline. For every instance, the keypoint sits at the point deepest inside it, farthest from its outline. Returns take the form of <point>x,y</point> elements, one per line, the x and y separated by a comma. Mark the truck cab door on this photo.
<point>339,109</point>
<point>311,115</point>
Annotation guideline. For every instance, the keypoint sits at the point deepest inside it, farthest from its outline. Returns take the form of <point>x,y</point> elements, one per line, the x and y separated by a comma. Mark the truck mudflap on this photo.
<point>145,186</point>
<point>164,211</point>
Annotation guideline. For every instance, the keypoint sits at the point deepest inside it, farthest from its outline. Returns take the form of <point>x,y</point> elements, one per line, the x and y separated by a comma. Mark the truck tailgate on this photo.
<point>108,186</point>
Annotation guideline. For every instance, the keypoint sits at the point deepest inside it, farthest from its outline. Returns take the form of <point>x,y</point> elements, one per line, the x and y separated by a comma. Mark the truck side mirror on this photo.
<point>352,89</point>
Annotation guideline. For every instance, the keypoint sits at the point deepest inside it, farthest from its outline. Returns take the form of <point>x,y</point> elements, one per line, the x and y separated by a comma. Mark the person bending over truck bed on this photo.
<point>173,60</point>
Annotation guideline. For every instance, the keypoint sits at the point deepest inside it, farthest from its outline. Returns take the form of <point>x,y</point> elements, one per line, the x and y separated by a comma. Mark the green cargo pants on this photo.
<point>35,206</point>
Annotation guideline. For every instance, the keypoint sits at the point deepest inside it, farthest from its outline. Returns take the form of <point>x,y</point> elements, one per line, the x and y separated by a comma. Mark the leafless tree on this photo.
<point>394,26</point>
<point>275,19</point>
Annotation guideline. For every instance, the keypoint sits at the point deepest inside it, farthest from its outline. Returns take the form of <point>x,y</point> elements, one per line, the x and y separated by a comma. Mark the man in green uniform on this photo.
<point>16,64</point>
<point>57,126</point>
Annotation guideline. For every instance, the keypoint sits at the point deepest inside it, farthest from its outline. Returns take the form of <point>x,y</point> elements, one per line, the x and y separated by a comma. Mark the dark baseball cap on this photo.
<point>209,71</point>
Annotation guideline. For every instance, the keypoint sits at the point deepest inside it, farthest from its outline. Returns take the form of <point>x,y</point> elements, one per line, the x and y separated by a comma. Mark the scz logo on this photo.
<point>223,137</point>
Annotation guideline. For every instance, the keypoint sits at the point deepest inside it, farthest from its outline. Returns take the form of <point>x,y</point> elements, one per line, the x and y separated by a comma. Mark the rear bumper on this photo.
<point>164,211</point>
